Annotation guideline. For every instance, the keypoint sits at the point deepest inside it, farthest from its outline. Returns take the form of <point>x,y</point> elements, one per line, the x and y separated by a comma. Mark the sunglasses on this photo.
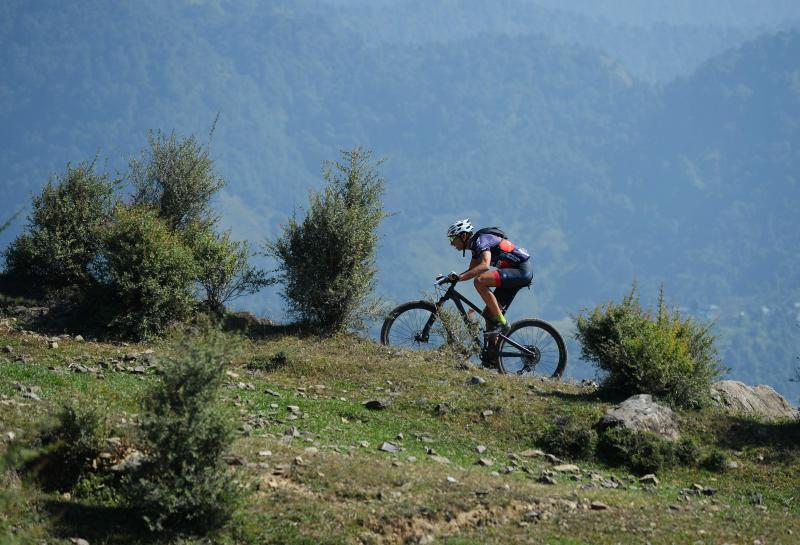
<point>453,238</point>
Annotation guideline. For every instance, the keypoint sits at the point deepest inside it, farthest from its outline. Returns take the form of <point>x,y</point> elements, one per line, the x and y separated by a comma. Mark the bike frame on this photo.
<point>459,300</point>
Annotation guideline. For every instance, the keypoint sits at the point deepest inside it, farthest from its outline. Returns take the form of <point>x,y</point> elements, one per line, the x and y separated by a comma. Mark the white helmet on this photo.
<point>461,226</point>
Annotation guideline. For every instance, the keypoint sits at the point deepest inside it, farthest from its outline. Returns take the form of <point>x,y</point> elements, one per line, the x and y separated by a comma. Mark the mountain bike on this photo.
<point>530,347</point>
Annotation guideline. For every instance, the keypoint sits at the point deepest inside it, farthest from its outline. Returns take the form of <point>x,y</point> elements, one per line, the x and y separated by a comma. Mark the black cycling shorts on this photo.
<point>510,281</point>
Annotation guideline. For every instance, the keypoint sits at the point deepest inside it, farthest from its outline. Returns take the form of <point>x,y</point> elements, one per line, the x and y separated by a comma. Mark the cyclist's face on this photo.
<point>457,242</point>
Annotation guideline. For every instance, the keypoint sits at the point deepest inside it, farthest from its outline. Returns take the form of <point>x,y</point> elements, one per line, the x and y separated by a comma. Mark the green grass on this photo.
<point>342,492</point>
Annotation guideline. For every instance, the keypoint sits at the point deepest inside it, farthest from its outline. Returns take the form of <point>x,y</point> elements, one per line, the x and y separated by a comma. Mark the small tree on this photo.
<point>327,260</point>
<point>149,272</point>
<point>223,270</point>
<point>64,231</point>
<point>185,484</point>
<point>177,178</point>
<point>664,355</point>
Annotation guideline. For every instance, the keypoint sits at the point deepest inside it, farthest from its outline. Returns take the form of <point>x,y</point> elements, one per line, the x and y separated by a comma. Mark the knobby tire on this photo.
<point>539,337</point>
<point>404,325</point>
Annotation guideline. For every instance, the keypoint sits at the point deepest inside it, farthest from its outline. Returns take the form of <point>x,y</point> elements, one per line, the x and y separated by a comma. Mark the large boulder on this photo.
<point>761,400</point>
<point>641,413</point>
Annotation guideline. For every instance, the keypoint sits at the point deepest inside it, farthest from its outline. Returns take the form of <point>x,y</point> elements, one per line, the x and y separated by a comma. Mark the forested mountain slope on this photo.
<point>604,176</point>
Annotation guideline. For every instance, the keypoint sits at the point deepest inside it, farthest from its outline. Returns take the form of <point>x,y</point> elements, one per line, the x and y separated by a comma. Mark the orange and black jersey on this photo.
<point>505,254</point>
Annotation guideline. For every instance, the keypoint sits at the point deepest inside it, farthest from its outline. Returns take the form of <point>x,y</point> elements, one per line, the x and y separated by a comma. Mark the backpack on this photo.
<point>496,231</point>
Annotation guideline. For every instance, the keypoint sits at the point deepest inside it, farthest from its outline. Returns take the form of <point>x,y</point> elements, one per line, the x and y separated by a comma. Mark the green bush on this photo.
<point>640,451</point>
<point>715,461</point>
<point>185,485</point>
<point>567,439</point>
<point>64,232</point>
<point>63,452</point>
<point>149,273</point>
<point>687,452</point>
<point>664,355</point>
<point>327,260</point>
<point>271,363</point>
<point>223,271</point>
<point>176,178</point>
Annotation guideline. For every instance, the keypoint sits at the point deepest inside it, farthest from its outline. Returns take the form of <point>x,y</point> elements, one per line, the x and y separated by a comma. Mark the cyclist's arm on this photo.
<point>477,266</point>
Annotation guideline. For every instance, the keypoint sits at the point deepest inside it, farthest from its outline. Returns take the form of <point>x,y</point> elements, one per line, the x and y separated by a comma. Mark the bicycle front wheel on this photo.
<point>416,326</point>
<point>537,349</point>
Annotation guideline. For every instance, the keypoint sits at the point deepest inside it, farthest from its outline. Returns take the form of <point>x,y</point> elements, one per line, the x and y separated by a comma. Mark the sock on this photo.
<point>501,320</point>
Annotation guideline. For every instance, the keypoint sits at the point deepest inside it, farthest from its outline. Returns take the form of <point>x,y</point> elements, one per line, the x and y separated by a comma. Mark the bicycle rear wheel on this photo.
<point>544,354</point>
<point>415,326</point>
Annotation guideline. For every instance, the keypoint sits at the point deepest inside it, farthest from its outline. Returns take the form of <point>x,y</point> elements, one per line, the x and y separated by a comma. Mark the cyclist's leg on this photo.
<point>505,296</point>
<point>482,283</point>
<point>510,282</point>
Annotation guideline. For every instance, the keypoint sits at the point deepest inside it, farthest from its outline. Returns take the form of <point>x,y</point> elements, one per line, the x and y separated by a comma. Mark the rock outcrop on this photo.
<point>641,413</point>
<point>739,398</point>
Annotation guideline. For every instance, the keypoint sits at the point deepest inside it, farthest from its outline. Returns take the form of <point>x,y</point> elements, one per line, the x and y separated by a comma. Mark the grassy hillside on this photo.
<point>311,451</point>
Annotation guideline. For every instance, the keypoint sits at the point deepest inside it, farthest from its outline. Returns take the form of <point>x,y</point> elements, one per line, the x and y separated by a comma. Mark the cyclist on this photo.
<point>496,263</point>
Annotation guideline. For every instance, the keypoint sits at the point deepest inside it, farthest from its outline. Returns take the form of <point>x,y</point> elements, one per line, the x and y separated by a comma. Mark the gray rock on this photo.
<point>546,478</point>
<point>442,408</point>
<point>389,447</point>
<point>8,349</point>
<point>761,400</point>
<point>650,478</point>
<point>234,460</point>
<point>476,380</point>
<point>641,413</point>
<point>567,468</point>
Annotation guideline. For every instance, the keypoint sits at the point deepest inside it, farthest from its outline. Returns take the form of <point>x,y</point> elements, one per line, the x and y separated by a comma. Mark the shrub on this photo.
<point>715,461</point>
<point>663,354</point>
<point>327,260</point>
<point>64,231</point>
<point>176,178</point>
<point>567,439</point>
<point>687,452</point>
<point>223,271</point>
<point>63,452</point>
<point>185,485</point>
<point>149,272</point>
<point>272,363</point>
<point>640,451</point>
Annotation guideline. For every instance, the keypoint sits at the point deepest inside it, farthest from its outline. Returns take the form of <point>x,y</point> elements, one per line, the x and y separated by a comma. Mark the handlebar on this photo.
<point>443,279</point>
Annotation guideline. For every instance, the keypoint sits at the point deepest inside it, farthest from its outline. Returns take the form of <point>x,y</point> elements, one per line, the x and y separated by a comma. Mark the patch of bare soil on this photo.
<point>426,527</point>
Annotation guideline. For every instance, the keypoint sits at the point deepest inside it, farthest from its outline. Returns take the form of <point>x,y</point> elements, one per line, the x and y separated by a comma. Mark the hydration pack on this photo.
<point>496,231</point>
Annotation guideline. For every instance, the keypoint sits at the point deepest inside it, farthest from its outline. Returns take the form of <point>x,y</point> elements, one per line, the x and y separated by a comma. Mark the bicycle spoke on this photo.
<point>541,353</point>
<point>407,328</point>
